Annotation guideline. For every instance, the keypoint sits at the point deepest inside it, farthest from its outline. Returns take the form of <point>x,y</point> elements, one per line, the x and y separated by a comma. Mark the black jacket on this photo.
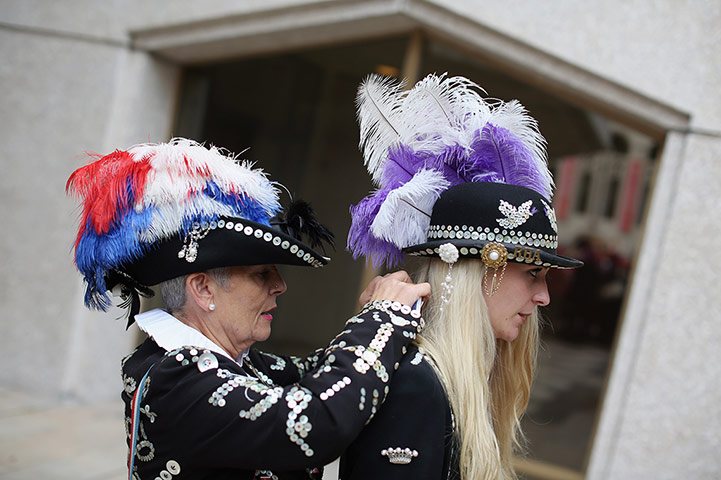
<point>274,417</point>
<point>415,418</point>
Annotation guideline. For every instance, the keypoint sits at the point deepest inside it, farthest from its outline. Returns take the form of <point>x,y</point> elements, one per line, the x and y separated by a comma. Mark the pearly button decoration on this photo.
<point>514,216</point>
<point>207,361</point>
<point>399,321</point>
<point>173,467</point>
<point>448,253</point>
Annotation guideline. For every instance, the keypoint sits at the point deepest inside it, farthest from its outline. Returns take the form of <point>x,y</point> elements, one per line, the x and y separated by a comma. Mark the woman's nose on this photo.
<point>277,286</point>
<point>542,297</point>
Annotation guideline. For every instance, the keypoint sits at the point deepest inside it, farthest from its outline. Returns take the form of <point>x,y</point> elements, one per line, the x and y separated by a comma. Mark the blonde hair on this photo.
<point>488,381</point>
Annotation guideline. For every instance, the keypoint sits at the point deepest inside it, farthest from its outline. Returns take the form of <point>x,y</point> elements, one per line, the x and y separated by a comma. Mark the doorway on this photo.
<point>295,115</point>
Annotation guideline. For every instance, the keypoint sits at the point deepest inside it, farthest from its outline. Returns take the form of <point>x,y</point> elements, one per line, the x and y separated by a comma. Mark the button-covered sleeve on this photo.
<point>222,417</point>
<point>284,369</point>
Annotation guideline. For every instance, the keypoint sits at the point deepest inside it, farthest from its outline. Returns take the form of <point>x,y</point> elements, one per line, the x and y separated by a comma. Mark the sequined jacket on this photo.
<point>271,417</point>
<point>411,436</point>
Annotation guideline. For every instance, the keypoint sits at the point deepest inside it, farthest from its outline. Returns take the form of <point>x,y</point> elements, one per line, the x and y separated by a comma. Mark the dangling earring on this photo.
<point>211,307</point>
<point>494,256</point>
<point>449,254</point>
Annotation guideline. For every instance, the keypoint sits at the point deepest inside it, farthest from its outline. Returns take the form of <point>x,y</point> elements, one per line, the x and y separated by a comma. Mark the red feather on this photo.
<point>102,186</point>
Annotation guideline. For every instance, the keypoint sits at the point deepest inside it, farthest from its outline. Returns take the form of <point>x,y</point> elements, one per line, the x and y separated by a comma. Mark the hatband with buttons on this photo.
<point>517,223</point>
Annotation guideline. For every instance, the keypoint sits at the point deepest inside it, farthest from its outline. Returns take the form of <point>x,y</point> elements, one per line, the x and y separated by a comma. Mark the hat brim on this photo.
<point>229,242</point>
<point>472,249</point>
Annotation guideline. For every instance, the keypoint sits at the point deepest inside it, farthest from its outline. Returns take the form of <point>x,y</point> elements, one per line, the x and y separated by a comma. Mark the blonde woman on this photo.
<point>473,197</point>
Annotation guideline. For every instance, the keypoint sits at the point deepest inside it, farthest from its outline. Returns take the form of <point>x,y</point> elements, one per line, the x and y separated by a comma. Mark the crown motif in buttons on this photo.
<point>399,456</point>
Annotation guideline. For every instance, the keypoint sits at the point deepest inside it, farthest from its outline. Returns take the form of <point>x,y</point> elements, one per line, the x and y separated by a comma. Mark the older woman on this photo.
<point>479,166</point>
<point>200,403</point>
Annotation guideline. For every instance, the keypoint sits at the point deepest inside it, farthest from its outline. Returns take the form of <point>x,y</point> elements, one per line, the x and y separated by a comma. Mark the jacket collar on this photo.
<point>169,333</point>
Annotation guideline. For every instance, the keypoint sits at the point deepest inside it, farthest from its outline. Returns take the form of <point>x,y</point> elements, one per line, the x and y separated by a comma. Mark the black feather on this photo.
<point>131,291</point>
<point>300,223</point>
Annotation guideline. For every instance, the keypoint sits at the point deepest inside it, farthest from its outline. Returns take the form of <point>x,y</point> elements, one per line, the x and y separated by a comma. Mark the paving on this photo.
<point>564,402</point>
<point>42,440</point>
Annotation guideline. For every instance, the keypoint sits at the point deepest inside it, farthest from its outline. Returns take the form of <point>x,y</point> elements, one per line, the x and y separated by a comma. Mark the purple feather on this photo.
<point>401,165</point>
<point>500,156</point>
<point>360,239</point>
<point>453,163</point>
<point>496,155</point>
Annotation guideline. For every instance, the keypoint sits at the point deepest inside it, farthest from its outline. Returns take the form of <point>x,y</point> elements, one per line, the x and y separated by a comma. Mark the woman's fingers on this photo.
<point>400,275</point>
<point>398,287</point>
<point>367,294</point>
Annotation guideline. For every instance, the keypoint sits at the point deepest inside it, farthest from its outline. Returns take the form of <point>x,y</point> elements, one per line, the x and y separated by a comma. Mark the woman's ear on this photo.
<point>199,291</point>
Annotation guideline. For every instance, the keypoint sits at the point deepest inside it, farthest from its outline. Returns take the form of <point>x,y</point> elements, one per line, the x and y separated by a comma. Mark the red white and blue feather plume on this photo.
<point>420,142</point>
<point>135,198</point>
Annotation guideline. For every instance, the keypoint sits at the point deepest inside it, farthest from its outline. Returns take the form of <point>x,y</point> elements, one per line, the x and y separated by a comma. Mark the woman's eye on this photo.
<point>262,273</point>
<point>537,271</point>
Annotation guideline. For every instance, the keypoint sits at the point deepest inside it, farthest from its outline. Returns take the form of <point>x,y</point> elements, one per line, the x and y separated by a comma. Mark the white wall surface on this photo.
<point>667,425</point>
<point>669,50</point>
<point>63,96</point>
<point>70,84</point>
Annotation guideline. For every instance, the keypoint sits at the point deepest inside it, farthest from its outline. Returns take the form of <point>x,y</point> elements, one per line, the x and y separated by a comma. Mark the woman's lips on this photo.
<point>266,315</point>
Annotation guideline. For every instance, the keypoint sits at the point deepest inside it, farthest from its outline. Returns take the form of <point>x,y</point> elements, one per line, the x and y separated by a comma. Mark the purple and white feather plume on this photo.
<point>417,143</point>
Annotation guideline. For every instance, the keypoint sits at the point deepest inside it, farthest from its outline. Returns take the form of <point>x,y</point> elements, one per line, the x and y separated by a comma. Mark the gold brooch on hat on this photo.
<point>494,256</point>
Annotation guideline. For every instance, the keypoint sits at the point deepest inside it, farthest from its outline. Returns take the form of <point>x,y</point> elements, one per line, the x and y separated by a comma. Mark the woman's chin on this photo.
<point>264,335</point>
<point>510,335</point>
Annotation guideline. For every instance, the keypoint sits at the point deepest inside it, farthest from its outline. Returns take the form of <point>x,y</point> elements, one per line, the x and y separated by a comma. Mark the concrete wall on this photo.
<point>64,93</point>
<point>71,83</point>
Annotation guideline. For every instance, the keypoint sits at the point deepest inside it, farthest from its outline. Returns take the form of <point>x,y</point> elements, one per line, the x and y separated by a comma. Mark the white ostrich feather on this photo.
<point>441,111</point>
<point>381,124</point>
<point>168,217</point>
<point>169,181</point>
<point>404,217</point>
<point>438,120</point>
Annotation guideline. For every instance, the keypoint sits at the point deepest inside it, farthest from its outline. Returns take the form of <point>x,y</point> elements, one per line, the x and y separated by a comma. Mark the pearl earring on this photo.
<point>211,307</point>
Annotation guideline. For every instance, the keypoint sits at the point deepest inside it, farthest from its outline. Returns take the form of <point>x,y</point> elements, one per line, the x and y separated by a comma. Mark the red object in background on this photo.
<point>630,196</point>
<point>564,190</point>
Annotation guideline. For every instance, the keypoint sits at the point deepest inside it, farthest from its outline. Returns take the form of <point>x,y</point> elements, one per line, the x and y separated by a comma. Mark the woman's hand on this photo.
<point>396,287</point>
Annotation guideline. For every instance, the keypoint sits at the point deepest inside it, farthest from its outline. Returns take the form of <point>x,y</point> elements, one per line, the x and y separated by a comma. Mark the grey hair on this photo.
<point>173,290</point>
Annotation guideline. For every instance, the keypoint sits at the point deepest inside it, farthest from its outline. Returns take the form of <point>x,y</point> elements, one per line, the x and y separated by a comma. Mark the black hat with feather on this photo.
<point>161,211</point>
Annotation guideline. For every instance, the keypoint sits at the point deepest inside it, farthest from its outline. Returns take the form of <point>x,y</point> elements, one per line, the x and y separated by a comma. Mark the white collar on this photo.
<point>170,333</point>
